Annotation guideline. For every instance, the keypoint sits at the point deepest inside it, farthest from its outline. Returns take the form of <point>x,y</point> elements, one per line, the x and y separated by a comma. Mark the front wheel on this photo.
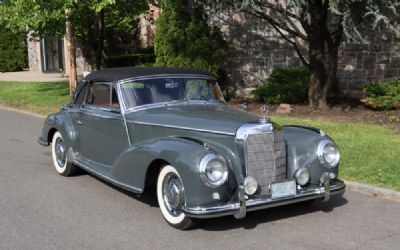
<point>171,198</point>
<point>59,155</point>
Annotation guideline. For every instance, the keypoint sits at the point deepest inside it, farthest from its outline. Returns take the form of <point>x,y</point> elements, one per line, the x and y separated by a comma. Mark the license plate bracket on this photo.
<point>283,189</point>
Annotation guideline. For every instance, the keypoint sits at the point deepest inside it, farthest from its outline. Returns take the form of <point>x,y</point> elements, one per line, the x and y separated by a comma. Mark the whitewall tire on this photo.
<point>59,156</point>
<point>171,198</point>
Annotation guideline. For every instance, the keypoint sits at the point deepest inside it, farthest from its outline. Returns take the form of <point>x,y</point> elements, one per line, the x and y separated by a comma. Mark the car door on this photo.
<point>101,127</point>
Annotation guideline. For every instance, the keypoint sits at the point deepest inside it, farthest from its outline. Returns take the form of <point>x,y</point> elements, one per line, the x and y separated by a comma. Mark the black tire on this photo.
<point>59,156</point>
<point>176,219</point>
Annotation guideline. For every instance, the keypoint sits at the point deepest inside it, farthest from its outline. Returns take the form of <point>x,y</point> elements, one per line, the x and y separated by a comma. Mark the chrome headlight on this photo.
<point>213,170</point>
<point>328,153</point>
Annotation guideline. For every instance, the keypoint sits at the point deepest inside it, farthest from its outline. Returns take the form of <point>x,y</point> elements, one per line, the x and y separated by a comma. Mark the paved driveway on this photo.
<point>41,210</point>
<point>28,76</point>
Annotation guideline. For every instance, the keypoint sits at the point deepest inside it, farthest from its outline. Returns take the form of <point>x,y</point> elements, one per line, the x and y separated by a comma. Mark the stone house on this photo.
<point>49,55</point>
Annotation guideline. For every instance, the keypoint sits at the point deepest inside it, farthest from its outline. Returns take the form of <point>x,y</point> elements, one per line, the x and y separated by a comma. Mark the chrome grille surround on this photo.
<point>262,154</point>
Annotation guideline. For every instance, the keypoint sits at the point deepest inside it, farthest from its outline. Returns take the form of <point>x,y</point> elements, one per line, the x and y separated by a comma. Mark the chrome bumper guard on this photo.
<point>240,208</point>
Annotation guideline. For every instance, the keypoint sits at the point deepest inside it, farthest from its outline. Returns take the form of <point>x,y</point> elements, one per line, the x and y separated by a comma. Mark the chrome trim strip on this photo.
<point>257,204</point>
<point>184,128</point>
<point>107,178</point>
<point>123,112</point>
<point>167,104</point>
<point>166,76</point>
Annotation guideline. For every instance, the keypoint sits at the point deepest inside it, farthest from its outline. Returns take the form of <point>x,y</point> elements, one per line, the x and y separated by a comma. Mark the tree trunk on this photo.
<point>331,76</point>
<point>100,39</point>
<point>316,35</point>
<point>333,42</point>
<point>71,52</point>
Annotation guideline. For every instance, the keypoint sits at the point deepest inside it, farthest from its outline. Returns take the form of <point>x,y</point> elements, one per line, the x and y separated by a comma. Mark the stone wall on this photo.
<point>255,49</point>
<point>34,60</point>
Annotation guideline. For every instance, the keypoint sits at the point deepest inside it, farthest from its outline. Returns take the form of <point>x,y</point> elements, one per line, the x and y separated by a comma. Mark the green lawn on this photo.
<point>41,98</point>
<point>370,153</point>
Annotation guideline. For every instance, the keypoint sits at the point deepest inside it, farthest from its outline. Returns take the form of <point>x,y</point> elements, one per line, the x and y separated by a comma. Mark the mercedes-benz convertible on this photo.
<point>170,128</point>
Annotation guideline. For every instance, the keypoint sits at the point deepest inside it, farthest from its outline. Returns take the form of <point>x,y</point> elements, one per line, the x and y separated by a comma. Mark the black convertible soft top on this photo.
<point>116,74</point>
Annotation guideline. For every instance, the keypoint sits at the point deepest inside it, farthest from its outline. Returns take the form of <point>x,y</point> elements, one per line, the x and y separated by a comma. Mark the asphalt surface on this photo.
<point>40,209</point>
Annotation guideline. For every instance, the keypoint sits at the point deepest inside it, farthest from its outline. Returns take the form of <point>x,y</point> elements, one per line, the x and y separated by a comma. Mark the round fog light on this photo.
<point>250,185</point>
<point>302,176</point>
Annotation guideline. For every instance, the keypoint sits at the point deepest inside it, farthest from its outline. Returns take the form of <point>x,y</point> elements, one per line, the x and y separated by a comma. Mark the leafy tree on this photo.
<point>12,50</point>
<point>92,20</point>
<point>184,39</point>
<point>321,25</point>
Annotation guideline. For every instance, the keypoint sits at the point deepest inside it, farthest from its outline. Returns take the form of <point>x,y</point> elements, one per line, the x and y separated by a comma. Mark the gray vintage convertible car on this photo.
<point>171,128</point>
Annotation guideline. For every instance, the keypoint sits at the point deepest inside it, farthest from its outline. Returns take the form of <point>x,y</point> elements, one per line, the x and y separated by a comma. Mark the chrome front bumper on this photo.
<point>239,208</point>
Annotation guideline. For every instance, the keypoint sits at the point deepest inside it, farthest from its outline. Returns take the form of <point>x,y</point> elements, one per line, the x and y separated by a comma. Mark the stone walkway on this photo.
<point>27,76</point>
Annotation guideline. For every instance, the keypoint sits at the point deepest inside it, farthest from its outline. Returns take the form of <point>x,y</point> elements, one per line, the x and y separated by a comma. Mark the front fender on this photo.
<point>185,155</point>
<point>302,144</point>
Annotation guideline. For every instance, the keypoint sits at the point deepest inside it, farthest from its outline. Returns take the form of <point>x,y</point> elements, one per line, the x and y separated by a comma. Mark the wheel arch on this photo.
<point>50,134</point>
<point>139,166</point>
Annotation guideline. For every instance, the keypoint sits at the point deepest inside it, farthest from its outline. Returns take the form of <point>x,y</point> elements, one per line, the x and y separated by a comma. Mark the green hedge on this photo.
<point>382,96</point>
<point>284,86</point>
<point>12,50</point>
<point>130,60</point>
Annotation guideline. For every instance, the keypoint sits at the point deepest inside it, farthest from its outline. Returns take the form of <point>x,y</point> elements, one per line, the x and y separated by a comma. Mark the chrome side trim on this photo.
<point>338,188</point>
<point>107,178</point>
<point>185,128</point>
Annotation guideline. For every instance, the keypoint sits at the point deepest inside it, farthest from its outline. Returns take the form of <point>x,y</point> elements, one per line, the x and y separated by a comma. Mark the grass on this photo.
<point>41,98</point>
<point>370,153</point>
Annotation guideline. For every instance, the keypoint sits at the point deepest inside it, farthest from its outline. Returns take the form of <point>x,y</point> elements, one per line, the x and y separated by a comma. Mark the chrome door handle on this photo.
<point>79,122</point>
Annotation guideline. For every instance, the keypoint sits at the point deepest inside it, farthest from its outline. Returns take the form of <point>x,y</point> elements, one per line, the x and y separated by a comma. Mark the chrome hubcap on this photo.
<point>60,152</point>
<point>173,194</point>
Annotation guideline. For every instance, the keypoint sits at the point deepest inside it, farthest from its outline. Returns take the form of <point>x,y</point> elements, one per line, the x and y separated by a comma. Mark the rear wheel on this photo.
<point>59,155</point>
<point>171,197</point>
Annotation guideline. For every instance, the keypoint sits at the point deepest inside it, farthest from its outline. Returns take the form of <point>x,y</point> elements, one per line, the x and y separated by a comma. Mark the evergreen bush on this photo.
<point>284,86</point>
<point>382,96</point>
<point>12,50</point>
<point>184,39</point>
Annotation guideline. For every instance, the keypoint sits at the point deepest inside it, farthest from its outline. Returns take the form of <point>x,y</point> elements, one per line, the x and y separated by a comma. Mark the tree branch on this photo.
<point>279,9</point>
<point>273,22</point>
<point>294,44</point>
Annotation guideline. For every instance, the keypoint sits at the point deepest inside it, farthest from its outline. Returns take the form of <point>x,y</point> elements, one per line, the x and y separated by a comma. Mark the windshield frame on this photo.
<point>125,110</point>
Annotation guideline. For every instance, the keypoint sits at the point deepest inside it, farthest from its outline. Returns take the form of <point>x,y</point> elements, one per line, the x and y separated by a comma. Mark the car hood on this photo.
<point>216,118</point>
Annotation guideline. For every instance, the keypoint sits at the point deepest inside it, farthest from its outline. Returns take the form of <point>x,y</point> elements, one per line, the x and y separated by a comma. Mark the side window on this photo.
<point>114,99</point>
<point>99,95</point>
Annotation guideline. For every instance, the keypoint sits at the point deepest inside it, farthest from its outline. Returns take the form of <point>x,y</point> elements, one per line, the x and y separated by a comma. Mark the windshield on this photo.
<point>142,92</point>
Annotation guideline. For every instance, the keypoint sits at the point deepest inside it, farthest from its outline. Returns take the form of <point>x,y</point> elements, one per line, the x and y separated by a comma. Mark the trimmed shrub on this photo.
<point>382,96</point>
<point>12,50</point>
<point>284,86</point>
<point>130,60</point>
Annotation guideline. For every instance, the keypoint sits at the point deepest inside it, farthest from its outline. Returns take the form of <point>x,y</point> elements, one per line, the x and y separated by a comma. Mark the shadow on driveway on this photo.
<point>252,219</point>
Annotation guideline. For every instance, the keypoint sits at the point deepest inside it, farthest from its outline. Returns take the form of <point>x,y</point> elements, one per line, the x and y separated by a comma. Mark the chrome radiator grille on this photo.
<point>265,159</point>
